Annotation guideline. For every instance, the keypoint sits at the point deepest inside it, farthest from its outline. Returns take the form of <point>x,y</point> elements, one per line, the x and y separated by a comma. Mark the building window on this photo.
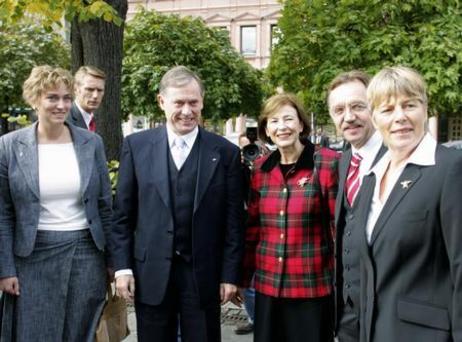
<point>275,33</point>
<point>249,40</point>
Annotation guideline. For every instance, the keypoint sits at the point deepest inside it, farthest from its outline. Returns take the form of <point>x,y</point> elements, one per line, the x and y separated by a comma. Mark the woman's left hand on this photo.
<point>10,285</point>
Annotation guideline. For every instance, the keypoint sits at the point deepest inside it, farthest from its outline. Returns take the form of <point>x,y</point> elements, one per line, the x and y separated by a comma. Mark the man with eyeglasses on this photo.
<point>347,102</point>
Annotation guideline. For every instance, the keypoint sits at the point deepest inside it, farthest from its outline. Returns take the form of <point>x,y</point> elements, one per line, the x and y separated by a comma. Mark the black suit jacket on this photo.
<point>75,117</point>
<point>143,236</point>
<point>411,274</point>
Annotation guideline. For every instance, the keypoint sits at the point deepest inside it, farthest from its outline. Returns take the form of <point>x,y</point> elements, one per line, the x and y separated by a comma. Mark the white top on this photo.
<point>61,206</point>
<point>424,155</point>
<point>86,116</point>
<point>368,153</point>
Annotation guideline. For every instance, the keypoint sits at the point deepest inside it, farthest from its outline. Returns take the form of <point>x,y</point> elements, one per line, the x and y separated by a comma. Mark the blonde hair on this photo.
<point>391,82</point>
<point>43,78</point>
<point>88,70</point>
<point>275,103</point>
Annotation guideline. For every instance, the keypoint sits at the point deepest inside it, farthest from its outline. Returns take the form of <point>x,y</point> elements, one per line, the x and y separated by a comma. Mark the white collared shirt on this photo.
<point>368,153</point>
<point>189,138</point>
<point>424,155</point>
<point>86,116</point>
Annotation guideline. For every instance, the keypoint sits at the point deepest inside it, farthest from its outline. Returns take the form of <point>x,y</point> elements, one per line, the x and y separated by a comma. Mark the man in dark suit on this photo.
<point>89,84</point>
<point>178,233</point>
<point>349,111</point>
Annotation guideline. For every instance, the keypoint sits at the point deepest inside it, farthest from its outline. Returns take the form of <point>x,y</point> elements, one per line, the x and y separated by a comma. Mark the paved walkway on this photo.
<point>231,315</point>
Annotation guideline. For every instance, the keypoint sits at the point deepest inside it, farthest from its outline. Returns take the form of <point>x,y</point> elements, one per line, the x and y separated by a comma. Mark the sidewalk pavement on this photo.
<point>230,316</point>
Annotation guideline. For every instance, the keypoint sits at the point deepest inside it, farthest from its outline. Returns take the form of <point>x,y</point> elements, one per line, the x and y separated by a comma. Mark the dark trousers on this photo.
<point>348,328</point>
<point>160,322</point>
<point>293,320</point>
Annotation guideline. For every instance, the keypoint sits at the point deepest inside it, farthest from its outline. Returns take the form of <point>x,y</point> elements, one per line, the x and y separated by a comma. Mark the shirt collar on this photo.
<point>370,148</point>
<point>86,116</point>
<point>188,138</point>
<point>305,161</point>
<point>423,155</point>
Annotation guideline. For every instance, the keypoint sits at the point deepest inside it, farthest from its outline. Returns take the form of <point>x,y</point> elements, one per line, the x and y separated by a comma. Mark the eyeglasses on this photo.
<point>355,108</point>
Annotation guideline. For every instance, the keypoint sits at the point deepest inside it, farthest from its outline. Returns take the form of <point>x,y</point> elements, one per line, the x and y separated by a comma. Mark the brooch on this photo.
<point>302,181</point>
<point>405,184</point>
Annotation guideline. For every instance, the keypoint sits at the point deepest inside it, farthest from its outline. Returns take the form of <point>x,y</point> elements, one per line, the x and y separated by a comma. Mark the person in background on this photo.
<point>289,237</point>
<point>408,223</point>
<point>89,91</point>
<point>348,109</point>
<point>55,217</point>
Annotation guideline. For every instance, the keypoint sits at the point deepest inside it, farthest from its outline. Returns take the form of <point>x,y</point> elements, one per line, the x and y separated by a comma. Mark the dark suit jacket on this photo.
<point>75,117</point>
<point>411,274</point>
<point>340,212</point>
<point>20,194</point>
<point>143,234</point>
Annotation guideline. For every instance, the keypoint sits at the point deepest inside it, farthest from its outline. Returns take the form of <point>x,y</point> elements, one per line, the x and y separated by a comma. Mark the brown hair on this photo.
<point>346,77</point>
<point>88,70</point>
<point>43,78</point>
<point>275,103</point>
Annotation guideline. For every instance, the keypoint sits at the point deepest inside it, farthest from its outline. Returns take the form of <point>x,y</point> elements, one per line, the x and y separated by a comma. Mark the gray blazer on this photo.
<point>411,273</point>
<point>20,194</point>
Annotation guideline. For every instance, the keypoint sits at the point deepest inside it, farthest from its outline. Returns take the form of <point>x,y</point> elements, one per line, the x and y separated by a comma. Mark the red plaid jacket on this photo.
<point>290,229</point>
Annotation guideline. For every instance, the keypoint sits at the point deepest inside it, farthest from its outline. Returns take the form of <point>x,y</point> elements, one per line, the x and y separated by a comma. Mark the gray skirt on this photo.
<point>62,288</point>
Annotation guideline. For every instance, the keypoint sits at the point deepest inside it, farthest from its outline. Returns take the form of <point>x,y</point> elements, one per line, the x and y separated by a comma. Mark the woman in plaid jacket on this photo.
<point>289,239</point>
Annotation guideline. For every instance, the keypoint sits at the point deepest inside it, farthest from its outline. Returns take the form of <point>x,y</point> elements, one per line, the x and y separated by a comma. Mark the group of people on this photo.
<point>364,245</point>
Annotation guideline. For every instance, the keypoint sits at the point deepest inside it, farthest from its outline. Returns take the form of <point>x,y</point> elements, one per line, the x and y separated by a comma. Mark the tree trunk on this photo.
<point>99,43</point>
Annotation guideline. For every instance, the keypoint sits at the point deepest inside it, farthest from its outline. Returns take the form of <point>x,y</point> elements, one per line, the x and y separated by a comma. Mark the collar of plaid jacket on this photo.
<point>306,160</point>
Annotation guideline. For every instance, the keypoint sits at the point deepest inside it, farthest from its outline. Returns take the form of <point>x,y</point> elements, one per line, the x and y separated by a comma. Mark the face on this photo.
<point>182,107</point>
<point>401,122</point>
<point>89,93</point>
<point>284,127</point>
<point>53,105</point>
<point>350,114</point>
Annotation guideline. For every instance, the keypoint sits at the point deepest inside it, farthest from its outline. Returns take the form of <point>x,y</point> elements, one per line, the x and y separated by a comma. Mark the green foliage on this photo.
<point>24,46</point>
<point>321,38</point>
<point>154,43</point>
<point>113,168</point>
<point>52,11</point>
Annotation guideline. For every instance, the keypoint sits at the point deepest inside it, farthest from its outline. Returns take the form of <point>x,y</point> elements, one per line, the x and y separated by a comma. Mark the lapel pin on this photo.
<point>20,154</point>
<point>214,159</point>
<point>405,184</point>
<point>302,181</point>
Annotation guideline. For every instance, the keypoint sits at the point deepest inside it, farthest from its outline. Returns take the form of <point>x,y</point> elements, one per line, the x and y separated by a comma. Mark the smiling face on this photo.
<point>182,107</point>
<point>89,93</point>
<point>284,127</point>
<point>53,105</point>
<point>350,114</point>
<point>402,122</point>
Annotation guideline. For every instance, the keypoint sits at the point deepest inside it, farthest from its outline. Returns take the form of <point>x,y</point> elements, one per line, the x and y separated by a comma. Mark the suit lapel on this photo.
<point>84,148</point>
<point>407,179</point>
<point>26,153</point>
<point>343,170</point>
<point>159,165</point>
<point>208,161</point>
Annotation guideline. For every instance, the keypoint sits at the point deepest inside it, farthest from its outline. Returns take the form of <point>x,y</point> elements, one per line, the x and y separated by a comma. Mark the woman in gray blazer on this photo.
<point>409,222</point>
<point>55,214</point>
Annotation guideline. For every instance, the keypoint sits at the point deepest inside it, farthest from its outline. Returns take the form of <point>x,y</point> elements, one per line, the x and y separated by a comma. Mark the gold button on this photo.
<point>282,236</point>
<point>280,259</point>
<point>281,213</point>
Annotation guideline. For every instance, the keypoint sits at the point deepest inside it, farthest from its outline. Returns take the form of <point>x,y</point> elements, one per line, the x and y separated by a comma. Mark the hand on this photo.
<point>125,287</point>
<point>10,285</point>
<point>238,299</point>
<point>227,292</point>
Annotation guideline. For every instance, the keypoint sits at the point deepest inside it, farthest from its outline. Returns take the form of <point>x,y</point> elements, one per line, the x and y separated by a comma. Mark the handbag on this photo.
<point>113,324</point>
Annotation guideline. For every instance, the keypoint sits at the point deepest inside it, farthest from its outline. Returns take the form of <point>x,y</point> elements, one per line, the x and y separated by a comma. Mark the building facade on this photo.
<point>251,23</point>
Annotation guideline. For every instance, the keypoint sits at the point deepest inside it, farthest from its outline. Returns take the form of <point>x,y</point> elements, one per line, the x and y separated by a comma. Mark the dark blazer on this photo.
<point>20,195</point>
<point>143,236</point>
<point>411,274</point>
<point>75,117</point>
<point>340,222</point>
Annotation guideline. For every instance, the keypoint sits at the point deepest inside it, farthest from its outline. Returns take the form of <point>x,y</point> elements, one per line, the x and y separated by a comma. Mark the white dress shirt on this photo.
<point>368,153</point>
<point>424,155</point>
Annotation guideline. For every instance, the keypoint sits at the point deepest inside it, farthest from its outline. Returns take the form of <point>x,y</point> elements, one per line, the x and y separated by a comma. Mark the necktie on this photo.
<point>92,123</point>
<point>352,181</point>
<point>179,152</point>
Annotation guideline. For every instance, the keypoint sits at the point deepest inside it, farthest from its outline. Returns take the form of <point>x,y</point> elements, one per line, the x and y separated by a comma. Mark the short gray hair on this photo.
<point>179,76</point>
